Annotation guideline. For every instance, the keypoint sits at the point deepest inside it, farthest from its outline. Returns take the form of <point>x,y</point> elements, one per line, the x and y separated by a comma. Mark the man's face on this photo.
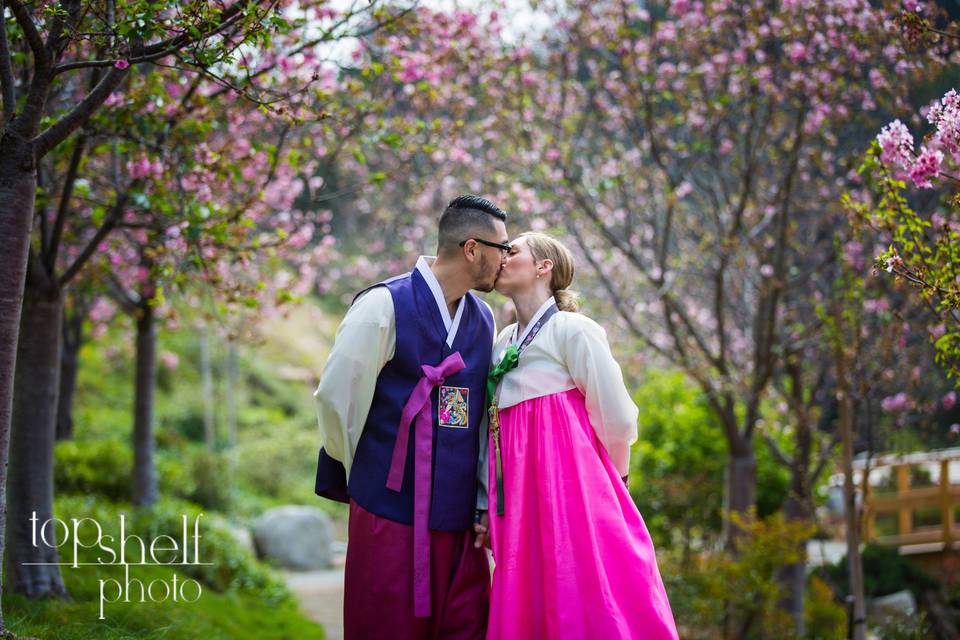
<point>491,258</point>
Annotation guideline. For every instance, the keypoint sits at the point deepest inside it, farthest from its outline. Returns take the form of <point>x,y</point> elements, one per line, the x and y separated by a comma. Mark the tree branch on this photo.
<point>226,19</point>
<point>7,84</point>
<point>776,451</point>
<point>118,292</point>
<point>64,207</point>
<point>116,213</point>
<point>823,457</point>
<point>69,123</point>
<point>25,20</point>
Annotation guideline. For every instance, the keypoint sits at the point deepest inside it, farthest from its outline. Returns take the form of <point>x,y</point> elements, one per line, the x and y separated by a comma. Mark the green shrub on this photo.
<point>916,628</point>
<point>885,571</point>
<point>281,467</point>
<point>211,479</point>
<point>102,468</point>
<point>174,475</point>
<point>716,589</point>
<point>231,567</point>
<point>826,618</point>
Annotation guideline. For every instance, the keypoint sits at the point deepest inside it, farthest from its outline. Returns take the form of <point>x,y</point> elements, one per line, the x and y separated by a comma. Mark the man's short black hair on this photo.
<point>466,217</point>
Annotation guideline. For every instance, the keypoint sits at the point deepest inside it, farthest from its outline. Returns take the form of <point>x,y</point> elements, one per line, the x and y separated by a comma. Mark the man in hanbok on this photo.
<point>400,406</point>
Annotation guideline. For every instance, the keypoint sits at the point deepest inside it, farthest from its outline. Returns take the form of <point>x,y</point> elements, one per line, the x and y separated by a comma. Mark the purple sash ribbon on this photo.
<point>419,407</point>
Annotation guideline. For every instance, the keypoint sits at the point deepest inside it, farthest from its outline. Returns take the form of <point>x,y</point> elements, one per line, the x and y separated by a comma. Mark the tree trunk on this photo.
<point>793,577</point>
<point>32,567</point>
<point>69,359</point>
<point>144,472</point>
<point>231,414</point>
<point>18,182</point>
<point>740,496</point>
<point>206,375</point>
<point>850,512</point>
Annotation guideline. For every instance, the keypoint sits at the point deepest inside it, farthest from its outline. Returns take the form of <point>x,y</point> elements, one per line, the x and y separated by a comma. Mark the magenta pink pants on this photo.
<point>378,585</point>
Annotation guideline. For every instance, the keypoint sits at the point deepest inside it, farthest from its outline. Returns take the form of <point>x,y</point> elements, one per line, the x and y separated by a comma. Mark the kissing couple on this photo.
<point>447,438</point>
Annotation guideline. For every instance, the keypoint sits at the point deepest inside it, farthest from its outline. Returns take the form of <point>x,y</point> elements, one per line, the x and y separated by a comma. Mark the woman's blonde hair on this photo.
<point>544,247</point>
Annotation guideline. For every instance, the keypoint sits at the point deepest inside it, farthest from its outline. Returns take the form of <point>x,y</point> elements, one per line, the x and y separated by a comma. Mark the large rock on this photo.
<point>896,606</point>
<point>294,537</point>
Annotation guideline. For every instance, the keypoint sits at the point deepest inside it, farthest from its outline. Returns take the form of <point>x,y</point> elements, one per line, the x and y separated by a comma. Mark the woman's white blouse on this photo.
<point>571,351</point>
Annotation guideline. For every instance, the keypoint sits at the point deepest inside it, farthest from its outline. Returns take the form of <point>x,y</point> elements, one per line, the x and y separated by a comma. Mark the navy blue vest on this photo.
<point>421,339</point>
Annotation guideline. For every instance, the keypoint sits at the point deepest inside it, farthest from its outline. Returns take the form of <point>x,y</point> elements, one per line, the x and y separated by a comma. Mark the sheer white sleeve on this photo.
<point>598,376</point>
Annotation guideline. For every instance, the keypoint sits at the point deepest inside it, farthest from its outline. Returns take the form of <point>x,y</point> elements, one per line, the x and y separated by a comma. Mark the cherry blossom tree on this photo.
<point>690,178</point>
<point>73,62</point>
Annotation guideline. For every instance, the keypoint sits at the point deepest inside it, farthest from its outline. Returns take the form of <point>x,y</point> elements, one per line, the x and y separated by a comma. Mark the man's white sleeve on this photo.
<point>365,342</point>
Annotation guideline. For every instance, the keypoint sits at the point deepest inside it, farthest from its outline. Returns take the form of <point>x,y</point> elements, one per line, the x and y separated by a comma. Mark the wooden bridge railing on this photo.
<point>943,496</point>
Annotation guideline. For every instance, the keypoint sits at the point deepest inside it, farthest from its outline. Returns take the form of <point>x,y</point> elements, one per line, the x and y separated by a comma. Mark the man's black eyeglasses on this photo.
<point>495,245</point>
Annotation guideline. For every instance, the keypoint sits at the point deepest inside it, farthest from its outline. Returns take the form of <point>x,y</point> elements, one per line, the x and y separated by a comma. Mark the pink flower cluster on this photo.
<point>896,403</point>
<point>896,143</point>
<point>143,167</point>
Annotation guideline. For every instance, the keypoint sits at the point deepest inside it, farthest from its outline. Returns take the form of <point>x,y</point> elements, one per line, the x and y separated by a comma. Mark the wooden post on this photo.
<point>869,514</point>
<point>905,513</point>
<point>946,508</point>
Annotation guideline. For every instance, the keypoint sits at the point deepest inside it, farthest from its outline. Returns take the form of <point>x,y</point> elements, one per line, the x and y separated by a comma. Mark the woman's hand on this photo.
<point>482,530</point>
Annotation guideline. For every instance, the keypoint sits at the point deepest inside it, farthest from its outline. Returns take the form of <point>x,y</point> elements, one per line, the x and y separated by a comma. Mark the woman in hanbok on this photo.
<point>573,558</point>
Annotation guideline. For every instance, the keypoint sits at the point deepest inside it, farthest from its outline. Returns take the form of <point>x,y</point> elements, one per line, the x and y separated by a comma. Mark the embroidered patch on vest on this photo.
<point>454,407</point>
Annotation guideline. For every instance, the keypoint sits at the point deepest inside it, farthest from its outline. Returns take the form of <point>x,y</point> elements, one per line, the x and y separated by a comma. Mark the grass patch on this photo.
<point>240,598</point>
<point>233,616</point>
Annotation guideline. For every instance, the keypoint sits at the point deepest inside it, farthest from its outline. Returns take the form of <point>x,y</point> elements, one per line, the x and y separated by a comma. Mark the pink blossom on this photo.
<point>459,155</point>
<point>797,52</point>
<point>169,359</point>
<point>896,403</point>
<point>937,331</point>
<point>945,115</point>
<point>853,253</point>
<point>766,270</point>
<point>876,305</point>
<point>553,154</point>
<point>896,144</point>
<point>927,166</point>
<point>949,401</point>
<point>726,146</point>
<point>122,64</point>
<point>139,168</point>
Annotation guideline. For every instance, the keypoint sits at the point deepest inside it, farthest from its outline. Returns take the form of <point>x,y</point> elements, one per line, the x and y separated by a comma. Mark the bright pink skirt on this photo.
<point>573,556</point>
